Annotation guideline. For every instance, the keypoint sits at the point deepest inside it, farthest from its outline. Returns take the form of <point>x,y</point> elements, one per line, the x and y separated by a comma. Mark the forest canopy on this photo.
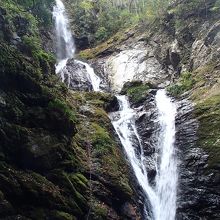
<point>100,19</point>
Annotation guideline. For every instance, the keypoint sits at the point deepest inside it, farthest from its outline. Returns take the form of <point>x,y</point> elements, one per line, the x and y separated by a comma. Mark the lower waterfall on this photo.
<point>162,195</point>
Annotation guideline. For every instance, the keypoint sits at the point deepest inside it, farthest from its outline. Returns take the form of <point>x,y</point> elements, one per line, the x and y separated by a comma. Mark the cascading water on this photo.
<point>65,47</point>
<point>166,179</point>
<point>162,196</point>
<point>93,78</point>
<point>124,124</point>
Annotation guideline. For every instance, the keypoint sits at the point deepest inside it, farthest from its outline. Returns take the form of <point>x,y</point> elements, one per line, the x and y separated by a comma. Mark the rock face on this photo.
<point>136,62</point>
<point>76,76</point>
<point>202,48</point>
<point>59,158</point>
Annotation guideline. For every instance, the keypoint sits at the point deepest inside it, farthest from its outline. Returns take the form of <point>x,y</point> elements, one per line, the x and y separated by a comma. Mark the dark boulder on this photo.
<point>81,43</point>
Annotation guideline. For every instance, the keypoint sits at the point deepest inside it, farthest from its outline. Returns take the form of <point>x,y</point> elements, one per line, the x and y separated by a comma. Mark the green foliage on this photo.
<point>101,19</point>
<point>155,8</point>
<point>137,93</point>
<point>33,45</point>
<point>184,84</point>
<point>24,17</point>
<point>101,33</point>
<point>61,106</point>
<point>208,114</point>
<point>32,42</point>
<point>39,8</point>
<point>13,10</point>
<point>30,9</point>
<point>136,90</point>
<point>101,140</point>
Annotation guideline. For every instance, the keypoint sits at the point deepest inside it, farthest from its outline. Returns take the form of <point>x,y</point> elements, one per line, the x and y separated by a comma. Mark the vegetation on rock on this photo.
<point>59,155</point>
<point>57,147</point>
<point>99,20</point>
<point>185,83</point>
<point>136,91</point>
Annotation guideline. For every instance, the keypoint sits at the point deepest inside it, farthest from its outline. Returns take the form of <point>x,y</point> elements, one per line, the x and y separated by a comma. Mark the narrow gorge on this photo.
<point>126,127</point>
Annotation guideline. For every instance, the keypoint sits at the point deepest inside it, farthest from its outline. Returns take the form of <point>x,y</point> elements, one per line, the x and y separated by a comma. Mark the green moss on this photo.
<point>95,131</point>
<point>8,58</point>
<point>108,45</point>
<point>185,83</point>
<point>33,43</point>
<point>208,114</point>
<point>100,140</point>
<point>136,90</point>
<point>58,215</point>
<point>80,181</point>
<point>99,211</point>
<point>80,196</point>
<point>61,106</point>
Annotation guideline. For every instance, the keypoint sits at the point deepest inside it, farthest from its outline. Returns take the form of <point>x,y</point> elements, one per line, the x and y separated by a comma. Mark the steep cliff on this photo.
<point>59,155</point>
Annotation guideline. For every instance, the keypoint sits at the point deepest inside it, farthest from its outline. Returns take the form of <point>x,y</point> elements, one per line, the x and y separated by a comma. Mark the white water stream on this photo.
<point>162,197</point>
<point>93,78</point>
<point>65,47</point>
<point>167,176</point>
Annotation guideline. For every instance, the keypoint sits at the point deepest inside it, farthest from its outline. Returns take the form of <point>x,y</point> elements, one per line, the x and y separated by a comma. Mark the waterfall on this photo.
<point>162,196</point>
<point>166,179</point>
<point>65,47</point>
<point>92,77</point>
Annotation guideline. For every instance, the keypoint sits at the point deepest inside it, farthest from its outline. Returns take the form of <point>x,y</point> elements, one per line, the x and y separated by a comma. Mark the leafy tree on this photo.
<point>39,8</point>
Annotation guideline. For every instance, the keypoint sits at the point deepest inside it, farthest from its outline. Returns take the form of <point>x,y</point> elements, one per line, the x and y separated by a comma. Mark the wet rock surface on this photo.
<point>138,61</point>
<point>197,196</point>
<point>76,76</point>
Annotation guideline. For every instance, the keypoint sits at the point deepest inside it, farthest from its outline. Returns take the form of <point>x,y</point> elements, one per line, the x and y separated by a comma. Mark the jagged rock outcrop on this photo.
<point>76,76</point>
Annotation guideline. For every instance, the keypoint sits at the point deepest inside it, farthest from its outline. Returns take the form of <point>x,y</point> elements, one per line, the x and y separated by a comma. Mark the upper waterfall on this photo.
<point>65,43</point>
<point>65,47</point>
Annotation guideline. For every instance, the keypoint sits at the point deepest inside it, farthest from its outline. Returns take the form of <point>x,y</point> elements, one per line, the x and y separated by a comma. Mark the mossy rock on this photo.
<point>107,47</point>
<point>184,84</point>
<point>59,215</point>
<point>208,114</point>
<point>136,91</point>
